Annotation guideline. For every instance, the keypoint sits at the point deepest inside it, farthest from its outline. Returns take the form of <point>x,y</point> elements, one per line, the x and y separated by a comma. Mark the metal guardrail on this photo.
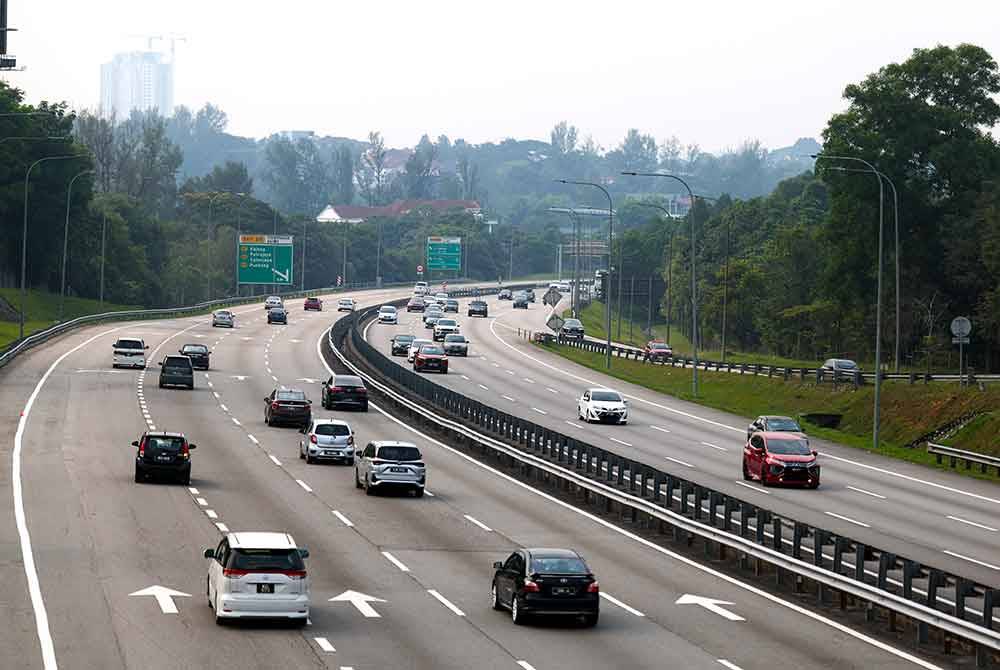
<point>954,455</point>
<point>959,607</point>
<point>819,375</point>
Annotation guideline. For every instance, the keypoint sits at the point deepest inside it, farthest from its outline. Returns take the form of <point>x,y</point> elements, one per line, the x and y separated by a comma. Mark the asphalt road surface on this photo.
<point>424,564</point>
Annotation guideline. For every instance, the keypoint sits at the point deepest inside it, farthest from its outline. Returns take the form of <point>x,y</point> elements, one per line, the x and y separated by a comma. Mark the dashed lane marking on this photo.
<point>343,519</point>
<point>304,486</point>
<point>447,603</point>
<point>478,523</point>
<point>678,461</point>
<point>325,645</point>
<point>395,561</point>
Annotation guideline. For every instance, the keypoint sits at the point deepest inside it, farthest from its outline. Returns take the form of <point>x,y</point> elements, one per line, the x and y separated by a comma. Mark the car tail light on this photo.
<point>142,448</point>
<point>593,587</point>
<point>312,438</point>
<point>335,389</point>
<point>362,390</point>
<point>350,439</point>
<point>185,451</point>
<point>530,586</point>
<point>274,405</point>
<point>294,574</point>
<point>234,572</point>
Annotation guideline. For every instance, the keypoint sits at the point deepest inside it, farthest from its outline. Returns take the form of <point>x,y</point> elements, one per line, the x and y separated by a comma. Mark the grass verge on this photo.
<point>42,310</point>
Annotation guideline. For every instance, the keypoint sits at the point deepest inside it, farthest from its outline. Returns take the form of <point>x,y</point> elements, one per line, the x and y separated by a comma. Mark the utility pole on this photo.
<point>631,301</point>
<point>104,226</point>
<point>725,289</point>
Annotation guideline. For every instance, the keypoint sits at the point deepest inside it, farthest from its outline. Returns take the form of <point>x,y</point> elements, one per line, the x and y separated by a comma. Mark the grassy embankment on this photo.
<point>42,310</point>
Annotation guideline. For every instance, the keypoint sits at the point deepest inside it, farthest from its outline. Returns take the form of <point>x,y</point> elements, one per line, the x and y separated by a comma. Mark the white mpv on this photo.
<point>129,352</point>
<point>258,575</point>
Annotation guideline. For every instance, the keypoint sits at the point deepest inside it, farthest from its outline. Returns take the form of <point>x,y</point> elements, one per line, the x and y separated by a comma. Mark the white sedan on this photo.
<point>345,305</point>
<point>603,405</point>
<point>387,314</point>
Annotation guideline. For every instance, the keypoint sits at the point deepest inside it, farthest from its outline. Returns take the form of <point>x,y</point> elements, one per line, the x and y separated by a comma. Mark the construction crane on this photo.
<point>174,38</point>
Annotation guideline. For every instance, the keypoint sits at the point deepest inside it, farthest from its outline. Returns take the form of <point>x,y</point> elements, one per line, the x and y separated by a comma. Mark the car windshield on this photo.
<point>266,559</point>
<point>572,323</point>
<point>454,338</point>
<point>334,429</point>
<point>478,303</point>
<point>404,339</point>
<point>658,345</point>
<point>783,424</point>
<point>277,311</point>
<point>164,443</point>
<point>399,453</point>
<point>431,349</point>
<point>291,395</point>
<point>195,349</point>
<point>605,396</point>
<point>387,309</point>
<point>847,365</point>
<point>347,380</point>
<point>346,301</point>
<point>177,363</point>
<point>129,344</point>
<point>224,315</point>
<point>560,565</point>
<point>447,322</point>
<point>788,447</point>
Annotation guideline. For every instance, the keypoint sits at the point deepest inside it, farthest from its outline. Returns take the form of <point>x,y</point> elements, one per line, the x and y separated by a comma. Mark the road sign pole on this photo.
<point>961,366</point>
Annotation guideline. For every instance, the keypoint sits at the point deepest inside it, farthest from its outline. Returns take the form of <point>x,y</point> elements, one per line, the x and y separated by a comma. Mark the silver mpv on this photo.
<point>388,464</point>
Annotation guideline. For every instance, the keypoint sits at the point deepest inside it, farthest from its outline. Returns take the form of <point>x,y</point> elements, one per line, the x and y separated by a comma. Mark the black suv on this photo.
<point>176,370</point>
<point>505,294</point>
<point>572,328</point>
<point>163,454</point>
<point>545,581</point>
<point>277,315</point>
<point>478,308</point>
<point>345,390</point>
<point>286,405</point>
<point>198,353</point>
<point>521,301</point>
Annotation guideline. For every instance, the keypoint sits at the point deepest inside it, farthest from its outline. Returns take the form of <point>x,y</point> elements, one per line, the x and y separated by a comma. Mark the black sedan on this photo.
<point>287,406</point>
<point>277,315</point>
<point>198,353</point>
<point>545,581</point>
<point>478,308</point>
<point>345,391</point>
<point>521,301</point>
<point>401,344</point>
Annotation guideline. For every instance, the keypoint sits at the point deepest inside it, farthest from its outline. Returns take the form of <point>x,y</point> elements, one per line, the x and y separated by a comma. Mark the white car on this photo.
<point>345,305</point>
<point>129,352</point>
<point>442,298</point>
<point>387,314</point>
<point>444,327</point>
<point>604,405</point>
<point>415,346</point>
<point>456,345</point>
<point>389,464</point>
<point>327,440</point>
<point>420,290</point>
<point>258,575</point>
<point>273,301</point>
<point>223,318</point>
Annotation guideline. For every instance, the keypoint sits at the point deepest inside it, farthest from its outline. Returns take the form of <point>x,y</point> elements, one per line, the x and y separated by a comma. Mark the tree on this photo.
<point>374,160</point>
<point>343,175</point>
<point>419,169</point>
<point>563,138</point>
<point>232,177</point>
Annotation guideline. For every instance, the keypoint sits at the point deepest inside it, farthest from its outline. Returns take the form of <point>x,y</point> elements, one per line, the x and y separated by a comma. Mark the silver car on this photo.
<point>389,464</point>
<point>387,314</point>
<point>456,345</point>
<point>327,440</point>
<point>223,319</point>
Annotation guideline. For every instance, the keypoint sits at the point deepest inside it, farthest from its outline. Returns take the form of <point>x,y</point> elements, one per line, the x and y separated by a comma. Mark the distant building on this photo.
<point>137,80</point>
<point>352,214</point>
<point>296,135</point>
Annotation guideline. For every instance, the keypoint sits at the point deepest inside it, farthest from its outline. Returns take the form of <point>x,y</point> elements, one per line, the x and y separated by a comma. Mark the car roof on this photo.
<point>335,422</point>
<point>393,443</point>
<point>777,416</point>
<point>163,433</point>
<point>551,552</point>
<point>261,540</point>
<point>602,388</point>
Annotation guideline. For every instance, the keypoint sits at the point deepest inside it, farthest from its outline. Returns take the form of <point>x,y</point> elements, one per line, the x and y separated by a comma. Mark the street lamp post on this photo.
<point>611,234</point>
<point>24,232</point>
<point>62,290</point>
<point>694,284</point>
<point>670,262</point>
<point>305,224</point>
<point>878,297</point>
<point>104,225</point>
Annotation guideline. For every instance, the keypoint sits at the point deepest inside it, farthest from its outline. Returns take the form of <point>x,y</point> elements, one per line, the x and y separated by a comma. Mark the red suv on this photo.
<point>657,350</point>
<point>780,458</point>
<point>430,357</point>
<point>313,303</point>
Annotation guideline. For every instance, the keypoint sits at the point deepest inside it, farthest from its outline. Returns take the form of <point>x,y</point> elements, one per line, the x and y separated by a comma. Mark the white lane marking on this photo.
<point>662,430</point>
<point>210,513</point>
<point>677,460</point>
<point>726,664</point>
<point>202,502</point>
<point>274,378</point>
<point>972,560</point>
<point>551,390</point>
<point>216,394</point>
<point>253,439</point>
<point>749,588</point>
<point>395,561</point>
<point>223,407</point>
<point>510,372</point>
<point>615,601</point>
<point>274,460</point>
<point>754,488</point>
<point>867,493</point>
<point>540,411</point>
<point>615,439</point>
<point>847,519</point>
<point>210,385</point>
<point>714,446</point>
<point>193,491</point>
<point>478,523</point>
<point>571,423</point>
<point>152,426</point>
<point>447,603</point>
<point>343,519</point>
<point>325,645</point>
<point>303,485</point>
<point>222,527</point>
<point>24,537</point>
<point>507,397</point>
<point>496,365</point>
<point>529,381</point>
<point>525,665</point>
<point>465,377</point>
<point>428,493</point>
<point>485,388</point>
<point>237,421</point>
<point>972,523</point>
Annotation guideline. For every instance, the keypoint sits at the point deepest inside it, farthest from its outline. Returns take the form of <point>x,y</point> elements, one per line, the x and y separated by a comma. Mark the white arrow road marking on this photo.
<point>615,601</point>
<point>447,603</point>
<point>307,380</point>
<point>325,645</point>
<point>361,603</point>
<point>164,597</point>
<point>711,605</point>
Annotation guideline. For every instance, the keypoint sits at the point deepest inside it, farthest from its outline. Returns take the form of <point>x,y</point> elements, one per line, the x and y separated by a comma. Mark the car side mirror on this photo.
<point>192,446</point>
<point>266,399</point>
<point>815,453</point>
<point>309,402</point>
<point>135,443</point>
<point>497,565</point>
<point>210,553</point>
<point>303,552</point>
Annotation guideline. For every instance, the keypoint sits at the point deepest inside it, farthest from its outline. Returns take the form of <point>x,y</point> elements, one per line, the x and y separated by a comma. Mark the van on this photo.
<point>176,370</point>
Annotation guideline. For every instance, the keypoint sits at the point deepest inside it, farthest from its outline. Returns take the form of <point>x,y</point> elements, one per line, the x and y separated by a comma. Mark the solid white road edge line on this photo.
<point>395,561</point>
<point>303,485</point>
<point>615,601</point>
<point>819,618</point>
<point>274,460</point>
<point>447,603</point>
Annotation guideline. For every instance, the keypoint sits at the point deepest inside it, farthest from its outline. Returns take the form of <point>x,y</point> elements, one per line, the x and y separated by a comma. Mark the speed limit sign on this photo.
<point>420,269</point>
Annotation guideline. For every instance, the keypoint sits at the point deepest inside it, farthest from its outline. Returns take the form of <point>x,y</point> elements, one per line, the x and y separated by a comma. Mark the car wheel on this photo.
<point>208,591</point>
<point>357,480</point>
<point>419,492</point>
<point>814,485</point>
<point>326,405</point>
<point>161,384</point>
<point>364,406</point>
<point>309,459</point>
<point>302,453</point>
<point>138,477</point>
<point>368,489</point>
<point>267,422</point>
<point>494,597</point>
<point>349,461</point>
<point>516,615</point>
<point>763,479</point>
<point>186,480</point>
<point>590,620</point>
<point>746,473</point>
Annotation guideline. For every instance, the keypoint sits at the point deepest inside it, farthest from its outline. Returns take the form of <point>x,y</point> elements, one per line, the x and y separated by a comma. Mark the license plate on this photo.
<point>397,470</point>
<point>164,458</point>
<point>329,453</point>
<point>265,588</point>
<point>563,590</point>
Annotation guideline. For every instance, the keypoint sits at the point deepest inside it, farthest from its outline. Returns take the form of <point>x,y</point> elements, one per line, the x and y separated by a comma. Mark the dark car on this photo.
<point>176,370</point>
<point>780,458</point>
<point>431,319</point>
<point>451,305</point>
<point>775,424</point>
<point>313,303</point>
<point>505,294</point>
<point>277,315</point>
<point>430,357</point>
<point>416,304</point>
<point>198,353</point>
<point>163,454</point>
<point>530,292</point>
<point>657,350</point>
<point>572,328</point>
<point>478,308</point>
<point>401,344</point>
<point>287,406</point>
<point>345,390</point>
<point>546,581</point>
<point>521,301</point>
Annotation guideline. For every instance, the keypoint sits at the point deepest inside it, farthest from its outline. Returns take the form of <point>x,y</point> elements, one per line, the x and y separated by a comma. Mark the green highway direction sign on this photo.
<point>444,253</point>
<point>265,259</point>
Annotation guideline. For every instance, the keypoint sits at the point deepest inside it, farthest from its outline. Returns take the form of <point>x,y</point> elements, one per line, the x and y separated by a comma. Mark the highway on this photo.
<point>423,565</point>
<point>938,518</point>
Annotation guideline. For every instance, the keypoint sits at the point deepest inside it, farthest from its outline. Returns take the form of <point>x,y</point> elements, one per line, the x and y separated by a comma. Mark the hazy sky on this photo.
<point>709,72</point>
